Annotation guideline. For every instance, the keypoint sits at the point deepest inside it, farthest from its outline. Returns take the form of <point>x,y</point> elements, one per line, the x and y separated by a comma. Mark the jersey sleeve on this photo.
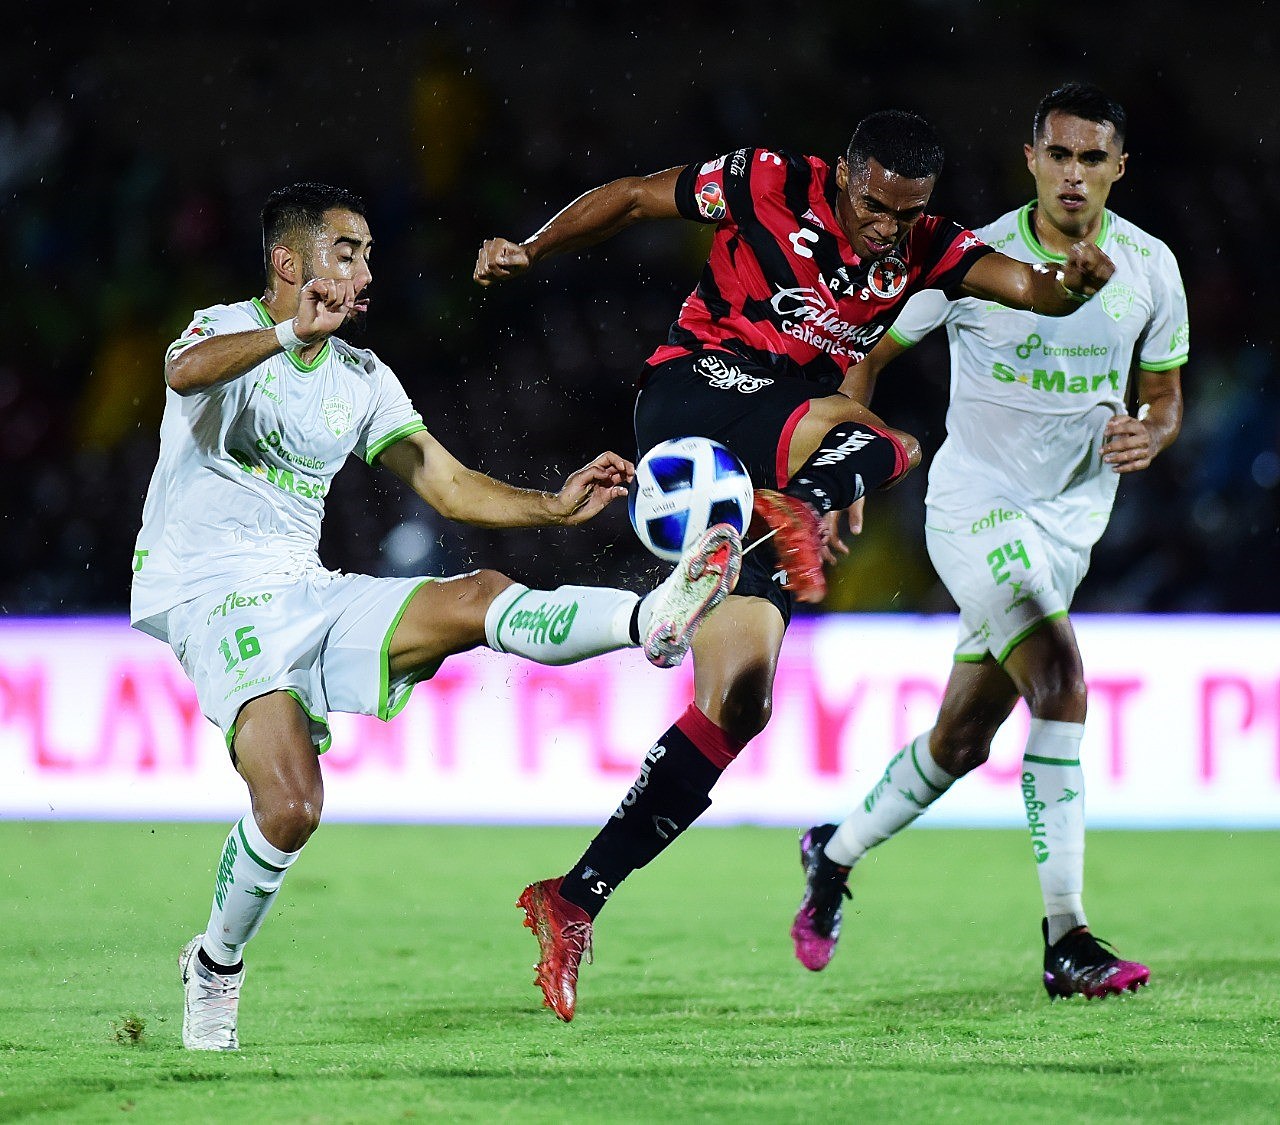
<point>951,254</point>
<point>1166,340</point>
<point>701,190</point>
<point>391,416</point>
<point>923,312</point>
<point>220,320</point>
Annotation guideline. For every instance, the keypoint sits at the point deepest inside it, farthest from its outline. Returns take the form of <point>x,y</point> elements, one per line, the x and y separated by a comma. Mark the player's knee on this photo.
<point>290,817</point>
<point>960,750</point>
<point>910,448</point>
<point>745,713</point>
<point>1059,694</point>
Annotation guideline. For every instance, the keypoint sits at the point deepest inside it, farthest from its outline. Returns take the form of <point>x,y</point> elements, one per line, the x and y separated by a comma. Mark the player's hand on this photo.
<point>1088,269</point>
<point>829,531</point>
<point>499,259</point>
<point>592,489</point>
<point>1127,445</point>
<point>322,307</point>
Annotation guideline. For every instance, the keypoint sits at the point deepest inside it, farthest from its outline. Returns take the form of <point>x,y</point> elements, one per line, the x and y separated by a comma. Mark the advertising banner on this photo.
<point>99,722</point>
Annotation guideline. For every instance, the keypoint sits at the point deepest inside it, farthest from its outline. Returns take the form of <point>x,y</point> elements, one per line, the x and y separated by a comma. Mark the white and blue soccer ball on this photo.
<point>682,487</point>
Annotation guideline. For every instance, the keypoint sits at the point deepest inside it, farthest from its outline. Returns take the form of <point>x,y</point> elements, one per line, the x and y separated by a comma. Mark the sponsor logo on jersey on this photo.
<point>712,166</point>
<point>738,163</point>
<point>274,443</point>
<point>1033,345</point>
<point>1181,337</point>
<point>799,238</point>
<point>1056,382</point>
<point>807,316</point>
<point>810,217</point>
<point>338,412</point>
<point>727,377</point>
<point>284,479</point>
<point>1116,299</point>
<point>711,202</point>
<point>1122,239</point>
<point>993,519</point>
<point>887,276</point>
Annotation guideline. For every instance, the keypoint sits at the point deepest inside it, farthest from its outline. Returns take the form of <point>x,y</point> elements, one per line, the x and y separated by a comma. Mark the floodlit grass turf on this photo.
<point>393,981</point>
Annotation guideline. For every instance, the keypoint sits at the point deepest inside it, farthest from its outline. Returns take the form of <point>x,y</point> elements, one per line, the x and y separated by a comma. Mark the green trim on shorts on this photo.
<point>385,712</point>
<point>1020,637</point>
<point>1050,761</point>
<point>254,855</point>
<point>970,657</point>
<point>387,440</point>
<point>325,742</point>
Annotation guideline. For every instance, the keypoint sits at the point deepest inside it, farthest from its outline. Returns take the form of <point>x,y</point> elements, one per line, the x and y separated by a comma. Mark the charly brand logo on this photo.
<point>727,377</point>
<point>337,414</point>
<point>544,625</point>
<point>1117,299</point>
<point>887,276</point>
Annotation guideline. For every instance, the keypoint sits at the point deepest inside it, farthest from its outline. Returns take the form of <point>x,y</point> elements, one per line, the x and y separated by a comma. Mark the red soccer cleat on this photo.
<point>564,938</point>
<point>798,541</point>
<point>1078,964</point>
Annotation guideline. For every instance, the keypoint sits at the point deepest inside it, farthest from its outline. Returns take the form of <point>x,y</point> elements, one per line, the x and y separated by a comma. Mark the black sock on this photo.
<point>852,459</point>
<point>672,791</point>
<point>213,966</point>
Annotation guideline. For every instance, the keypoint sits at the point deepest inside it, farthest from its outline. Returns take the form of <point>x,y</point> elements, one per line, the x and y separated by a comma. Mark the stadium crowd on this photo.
<point>126,184</point>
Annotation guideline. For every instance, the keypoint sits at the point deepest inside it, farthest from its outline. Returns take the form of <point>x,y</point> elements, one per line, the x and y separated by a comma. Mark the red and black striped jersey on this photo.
<point>782,284</point>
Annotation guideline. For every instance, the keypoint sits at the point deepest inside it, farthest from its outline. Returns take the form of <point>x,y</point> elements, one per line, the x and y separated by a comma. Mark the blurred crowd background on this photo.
<point>135,154</point>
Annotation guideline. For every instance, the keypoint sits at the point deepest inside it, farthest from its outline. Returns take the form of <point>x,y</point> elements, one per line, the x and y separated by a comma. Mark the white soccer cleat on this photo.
<point>705,575</point>
<point>211,1003</point>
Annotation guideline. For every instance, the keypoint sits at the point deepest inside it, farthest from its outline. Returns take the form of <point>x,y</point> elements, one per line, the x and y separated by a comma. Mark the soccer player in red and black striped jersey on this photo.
<point>809,267</point>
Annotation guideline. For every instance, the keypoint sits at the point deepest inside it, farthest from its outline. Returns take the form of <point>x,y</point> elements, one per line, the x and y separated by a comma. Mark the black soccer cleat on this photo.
<point>826,885</point>
<point>1078,964</point>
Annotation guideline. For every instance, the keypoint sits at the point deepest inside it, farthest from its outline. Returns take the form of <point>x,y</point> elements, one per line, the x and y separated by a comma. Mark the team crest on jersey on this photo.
<point>337,415</point>
<point>887,277</point>
<point>1117,299</point>
<point>711,202</point>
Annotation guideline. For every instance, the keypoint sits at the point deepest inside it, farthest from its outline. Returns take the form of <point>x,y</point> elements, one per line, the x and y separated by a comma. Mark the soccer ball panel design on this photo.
<point>684,486</point>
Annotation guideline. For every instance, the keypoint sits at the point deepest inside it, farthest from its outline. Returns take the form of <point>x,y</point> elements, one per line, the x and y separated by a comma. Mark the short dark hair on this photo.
<point>1081,99</point>
<point>299,209</point>
<point>901,142</point>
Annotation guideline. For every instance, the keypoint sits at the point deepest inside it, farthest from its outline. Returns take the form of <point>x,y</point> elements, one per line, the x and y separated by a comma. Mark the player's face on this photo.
<point>1074,163</point>
<point>341,252</point>
<point>877,208</point>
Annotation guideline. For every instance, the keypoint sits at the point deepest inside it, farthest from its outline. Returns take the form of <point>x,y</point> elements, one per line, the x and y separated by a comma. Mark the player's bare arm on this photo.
<point>860,380</point>
<point>1048,290</point>
<point>592,217</point>
<point>463,494</point>
<point>324,304</point>
<point>1130,443</point>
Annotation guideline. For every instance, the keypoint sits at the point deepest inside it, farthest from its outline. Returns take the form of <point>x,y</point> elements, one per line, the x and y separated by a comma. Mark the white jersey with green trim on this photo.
<point>244,466</point>
<point>1030,395</point>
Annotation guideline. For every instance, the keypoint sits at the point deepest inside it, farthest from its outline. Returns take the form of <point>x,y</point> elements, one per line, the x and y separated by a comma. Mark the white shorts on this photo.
<point>1005,572</point>
<point>321,636</point>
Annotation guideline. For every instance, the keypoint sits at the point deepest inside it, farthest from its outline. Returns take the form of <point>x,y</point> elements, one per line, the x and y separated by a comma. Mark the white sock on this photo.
<point>911,783</point>
<point>249,874</point>
<point>1053,792</point>
<point>560,626</point>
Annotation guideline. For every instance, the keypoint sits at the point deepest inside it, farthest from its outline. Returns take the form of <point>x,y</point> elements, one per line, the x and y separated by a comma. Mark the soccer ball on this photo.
<point>682,487</point>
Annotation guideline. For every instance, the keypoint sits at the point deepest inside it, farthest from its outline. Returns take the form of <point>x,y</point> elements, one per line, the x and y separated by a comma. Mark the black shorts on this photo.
<point>742,405</point>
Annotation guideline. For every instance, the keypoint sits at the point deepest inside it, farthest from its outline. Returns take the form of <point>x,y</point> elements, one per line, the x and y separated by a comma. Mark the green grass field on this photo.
<point>393,982</point>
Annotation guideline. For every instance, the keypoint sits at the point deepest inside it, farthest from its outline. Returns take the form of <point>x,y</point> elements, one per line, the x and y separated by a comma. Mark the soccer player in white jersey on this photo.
<point>1038,434</point>
<point>264,405</point>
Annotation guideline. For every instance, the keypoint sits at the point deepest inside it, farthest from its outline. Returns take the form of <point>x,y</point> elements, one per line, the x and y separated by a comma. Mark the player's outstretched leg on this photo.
<point>564,938</point>
<point>816,928</point>
<point>1080,964</point>
<point>211,1003</point>
<point>705,575</point>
